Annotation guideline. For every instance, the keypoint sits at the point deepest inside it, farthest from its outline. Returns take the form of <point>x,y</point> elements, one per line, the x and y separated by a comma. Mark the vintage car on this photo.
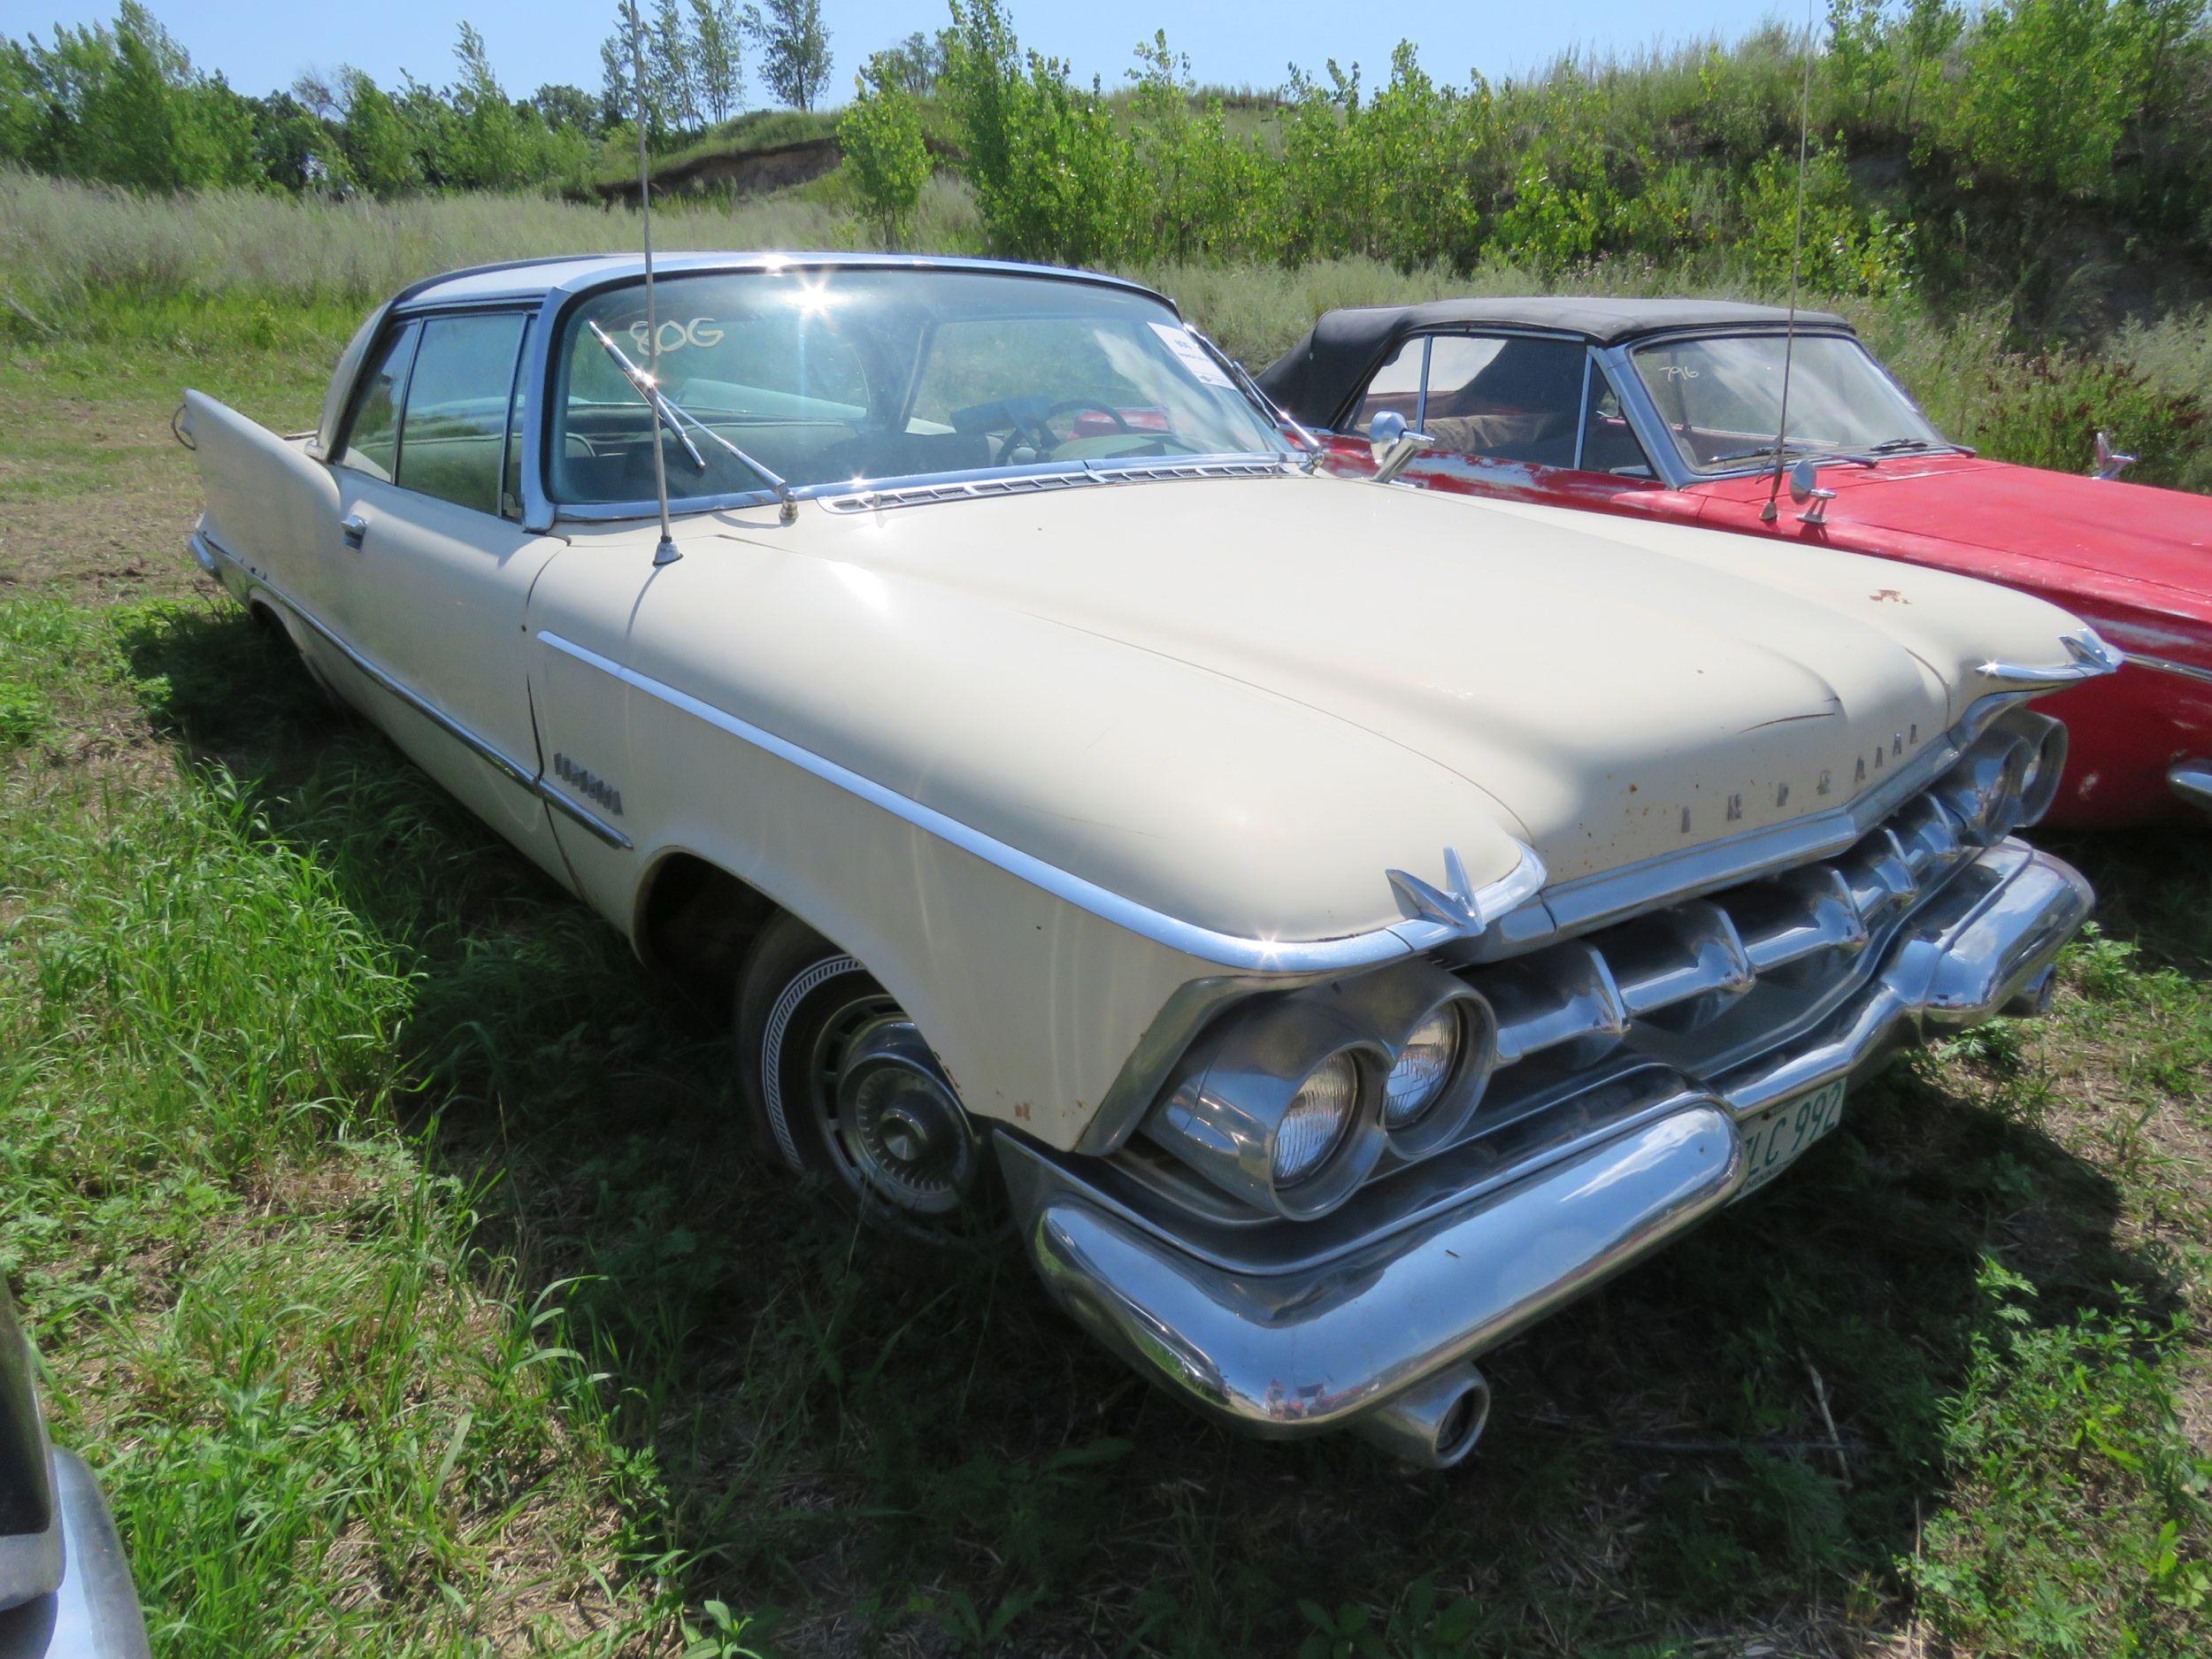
<point>65,1588</point>
<point>1332,924</point>
<point>1670,409</point>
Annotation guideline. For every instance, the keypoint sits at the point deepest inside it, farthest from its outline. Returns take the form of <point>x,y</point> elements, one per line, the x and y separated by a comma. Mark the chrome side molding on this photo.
<point>1230,950</point>
<point>515,772</point>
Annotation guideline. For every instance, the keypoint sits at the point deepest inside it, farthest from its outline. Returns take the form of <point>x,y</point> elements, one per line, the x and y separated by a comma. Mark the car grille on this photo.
<point>1693,982</point>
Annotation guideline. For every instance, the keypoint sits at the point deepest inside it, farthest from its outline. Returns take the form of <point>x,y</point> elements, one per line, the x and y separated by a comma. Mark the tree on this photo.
<point>881,136</point>
<point>795,54</point>
<point>560,105</point>
<point>915,63</point>
<point>378,148</point>
<point>669,66</point>
<point>488,150</point>
<point>718,58</point>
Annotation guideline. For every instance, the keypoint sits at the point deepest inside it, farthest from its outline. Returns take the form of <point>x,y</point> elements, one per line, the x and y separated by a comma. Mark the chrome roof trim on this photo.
<point>1205,944</point>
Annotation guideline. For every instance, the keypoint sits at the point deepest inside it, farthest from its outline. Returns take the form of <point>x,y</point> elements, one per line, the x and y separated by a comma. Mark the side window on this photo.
<point>372,430</point>
<point>1396,386</point>
<point>1608,443</point>
<point>1508,397</point>
<point>453,437</point>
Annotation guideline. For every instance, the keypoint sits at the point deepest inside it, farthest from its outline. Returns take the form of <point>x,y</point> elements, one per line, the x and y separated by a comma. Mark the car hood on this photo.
<point>1611,691</point>
<point>2163,536</point>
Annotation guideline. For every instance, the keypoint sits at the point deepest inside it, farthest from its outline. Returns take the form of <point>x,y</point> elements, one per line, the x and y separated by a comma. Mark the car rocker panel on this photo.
<point>1346,962</point>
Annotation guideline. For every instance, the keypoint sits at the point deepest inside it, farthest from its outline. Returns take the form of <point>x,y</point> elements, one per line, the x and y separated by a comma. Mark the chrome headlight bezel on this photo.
<point>1226,1101</point>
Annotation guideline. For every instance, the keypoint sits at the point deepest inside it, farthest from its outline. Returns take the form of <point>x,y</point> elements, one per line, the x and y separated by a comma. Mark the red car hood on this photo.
<point>2131,530</point>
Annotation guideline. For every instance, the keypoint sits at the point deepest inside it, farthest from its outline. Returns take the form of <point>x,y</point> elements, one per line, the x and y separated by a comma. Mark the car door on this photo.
<point>1533,417</point>
<point>437,568</point>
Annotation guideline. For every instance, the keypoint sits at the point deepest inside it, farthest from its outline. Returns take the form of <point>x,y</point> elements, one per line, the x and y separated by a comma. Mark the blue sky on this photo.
<point>259,46</point>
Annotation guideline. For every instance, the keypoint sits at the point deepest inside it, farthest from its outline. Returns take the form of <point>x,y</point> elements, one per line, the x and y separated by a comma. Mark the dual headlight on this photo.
<point>1291,1101</point>
<point>2008,778</point>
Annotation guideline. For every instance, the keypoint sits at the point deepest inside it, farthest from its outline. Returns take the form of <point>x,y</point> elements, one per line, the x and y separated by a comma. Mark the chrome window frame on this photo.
<point>397,315</point>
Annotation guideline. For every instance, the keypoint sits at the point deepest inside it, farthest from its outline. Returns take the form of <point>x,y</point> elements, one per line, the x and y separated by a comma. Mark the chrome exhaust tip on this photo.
<point>2032,999</point>
<point>1434,1424</point>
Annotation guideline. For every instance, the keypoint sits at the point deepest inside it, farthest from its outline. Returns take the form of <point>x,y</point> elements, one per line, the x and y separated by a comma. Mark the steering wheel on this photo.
<point>1044,422</point>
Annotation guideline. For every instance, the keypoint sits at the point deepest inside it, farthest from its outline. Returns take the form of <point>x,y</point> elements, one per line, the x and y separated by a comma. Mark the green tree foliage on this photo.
<point>882,140</point>
<point>378,149</point>
<point>795,53</point>
<point>1053,167</point>
<point>718,58</point>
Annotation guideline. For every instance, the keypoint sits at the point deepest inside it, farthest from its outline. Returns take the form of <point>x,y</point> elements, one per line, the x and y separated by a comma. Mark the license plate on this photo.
<point>1773,1139</point>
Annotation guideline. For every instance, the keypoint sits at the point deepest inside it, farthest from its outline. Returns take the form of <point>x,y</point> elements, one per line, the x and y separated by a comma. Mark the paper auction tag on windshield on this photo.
<point>1195,356</point>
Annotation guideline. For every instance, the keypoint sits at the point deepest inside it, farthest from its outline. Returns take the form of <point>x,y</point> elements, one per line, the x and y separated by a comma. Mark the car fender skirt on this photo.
<point>1309,1351</point>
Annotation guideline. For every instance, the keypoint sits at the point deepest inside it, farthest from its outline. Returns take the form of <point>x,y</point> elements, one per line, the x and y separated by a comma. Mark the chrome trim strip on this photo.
<point>1298,956</point>
<point>972,485</point>
<point>865,495</point>
<point>2166,666</point>
<point>568,809</point>
<point>511,769</point>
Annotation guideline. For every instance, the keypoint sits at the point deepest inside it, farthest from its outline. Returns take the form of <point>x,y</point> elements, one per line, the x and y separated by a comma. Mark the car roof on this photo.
<point>567,273</point>
<point>1314,376</point>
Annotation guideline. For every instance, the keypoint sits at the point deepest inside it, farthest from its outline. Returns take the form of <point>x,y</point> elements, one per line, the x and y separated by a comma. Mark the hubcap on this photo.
<point>888,1113</point>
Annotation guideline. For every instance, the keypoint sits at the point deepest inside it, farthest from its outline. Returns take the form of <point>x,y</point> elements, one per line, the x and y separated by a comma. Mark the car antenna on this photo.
<point>665,553</point>
<point>1770,512</point>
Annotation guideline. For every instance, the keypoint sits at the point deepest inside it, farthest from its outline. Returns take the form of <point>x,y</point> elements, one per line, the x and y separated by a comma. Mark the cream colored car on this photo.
<point>1334,923</point>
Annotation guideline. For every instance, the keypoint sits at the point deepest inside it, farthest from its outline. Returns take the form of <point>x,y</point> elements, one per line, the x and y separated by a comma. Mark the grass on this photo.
<point>396,1255</point>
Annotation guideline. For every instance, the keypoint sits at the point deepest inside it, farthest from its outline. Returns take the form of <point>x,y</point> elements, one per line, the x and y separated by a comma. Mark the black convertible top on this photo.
<point>1315,377</point>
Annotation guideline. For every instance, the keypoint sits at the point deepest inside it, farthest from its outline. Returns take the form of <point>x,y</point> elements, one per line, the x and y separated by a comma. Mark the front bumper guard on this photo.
<point>1381,1338</point>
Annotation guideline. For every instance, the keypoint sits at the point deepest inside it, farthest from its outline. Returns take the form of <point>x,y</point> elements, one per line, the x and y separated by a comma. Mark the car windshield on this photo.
<point>1721,398</point>
<point>842,375</point>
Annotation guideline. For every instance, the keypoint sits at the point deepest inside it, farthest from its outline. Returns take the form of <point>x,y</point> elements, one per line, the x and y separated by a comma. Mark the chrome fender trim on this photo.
<point>1230,950</point>
<point>1296,1352</point>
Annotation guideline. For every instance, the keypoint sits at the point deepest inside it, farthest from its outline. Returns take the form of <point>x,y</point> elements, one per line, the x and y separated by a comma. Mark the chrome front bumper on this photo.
<point>2192,780</point>
<point>1379,1335</point>
<point>93,1613</point>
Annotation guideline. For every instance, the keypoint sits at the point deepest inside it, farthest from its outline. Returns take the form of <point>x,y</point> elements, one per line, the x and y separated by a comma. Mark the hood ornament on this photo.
<point>2111,461</point>
<point>2092,656</point>
<point>1459,904</point>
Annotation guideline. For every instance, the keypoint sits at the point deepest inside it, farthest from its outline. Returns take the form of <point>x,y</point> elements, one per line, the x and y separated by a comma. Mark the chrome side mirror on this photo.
<point>2111,461</point>
<point>1392,445</point>
<point>1805,490</point>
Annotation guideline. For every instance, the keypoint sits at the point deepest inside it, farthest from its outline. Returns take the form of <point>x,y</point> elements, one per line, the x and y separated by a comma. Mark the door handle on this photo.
<point>353,526</point>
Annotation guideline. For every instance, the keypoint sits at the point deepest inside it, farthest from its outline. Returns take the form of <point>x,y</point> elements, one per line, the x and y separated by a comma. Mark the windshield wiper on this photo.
<point>674,415</point>
<point>1764,448</point>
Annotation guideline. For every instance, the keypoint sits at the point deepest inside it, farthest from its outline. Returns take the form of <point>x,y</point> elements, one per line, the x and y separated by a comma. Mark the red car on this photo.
<point>1669,410</point>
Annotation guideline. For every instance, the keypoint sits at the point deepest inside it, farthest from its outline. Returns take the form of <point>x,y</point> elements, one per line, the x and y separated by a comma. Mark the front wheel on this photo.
<point>849,1092</point>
